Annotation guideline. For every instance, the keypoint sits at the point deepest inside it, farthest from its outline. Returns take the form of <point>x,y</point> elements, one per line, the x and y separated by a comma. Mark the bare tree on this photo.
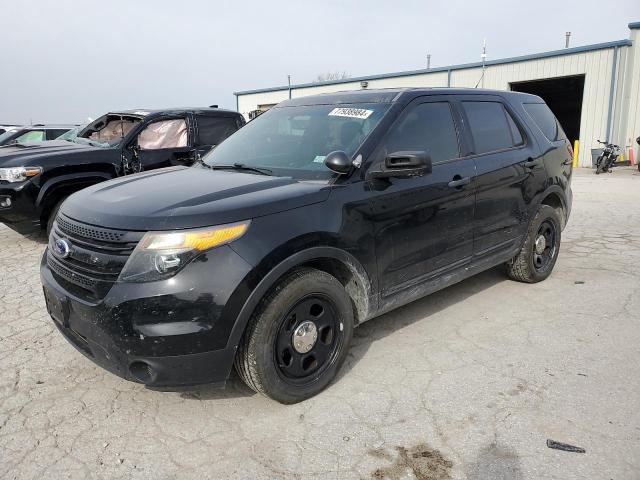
<point>329,76</point>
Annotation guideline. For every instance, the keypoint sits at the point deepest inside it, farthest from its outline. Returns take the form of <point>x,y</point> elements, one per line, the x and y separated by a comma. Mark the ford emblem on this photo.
<point>61,248</point>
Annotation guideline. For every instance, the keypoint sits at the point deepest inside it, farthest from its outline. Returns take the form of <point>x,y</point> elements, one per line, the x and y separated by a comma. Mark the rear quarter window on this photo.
<point>546,121</point>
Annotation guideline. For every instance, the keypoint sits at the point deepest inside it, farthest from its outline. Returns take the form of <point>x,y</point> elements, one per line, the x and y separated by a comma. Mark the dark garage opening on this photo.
<point>564,97</point>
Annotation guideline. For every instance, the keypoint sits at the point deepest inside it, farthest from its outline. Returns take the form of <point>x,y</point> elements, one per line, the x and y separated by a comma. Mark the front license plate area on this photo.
<point>58,307</point>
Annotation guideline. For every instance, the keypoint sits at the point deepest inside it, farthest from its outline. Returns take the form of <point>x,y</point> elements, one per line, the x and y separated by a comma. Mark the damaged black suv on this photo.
<point>35,178</point>
<point>321,214</point>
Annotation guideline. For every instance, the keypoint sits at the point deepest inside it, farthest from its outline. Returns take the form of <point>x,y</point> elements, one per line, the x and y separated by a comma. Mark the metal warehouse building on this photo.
<point>594,90</point>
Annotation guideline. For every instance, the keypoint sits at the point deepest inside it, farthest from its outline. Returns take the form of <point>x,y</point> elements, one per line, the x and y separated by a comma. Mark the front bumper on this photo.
<point>22,216</point>
<point>169,333</point>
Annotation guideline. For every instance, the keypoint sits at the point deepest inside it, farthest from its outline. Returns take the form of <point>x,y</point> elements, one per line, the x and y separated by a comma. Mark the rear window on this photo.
<point>492,128</point>
<point>544,118</point>
<point>213,130</point>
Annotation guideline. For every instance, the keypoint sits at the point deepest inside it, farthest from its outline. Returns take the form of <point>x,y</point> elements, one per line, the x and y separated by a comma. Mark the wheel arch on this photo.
<point>554,197</point>
<point>62,186</point>
<point>335,261</point>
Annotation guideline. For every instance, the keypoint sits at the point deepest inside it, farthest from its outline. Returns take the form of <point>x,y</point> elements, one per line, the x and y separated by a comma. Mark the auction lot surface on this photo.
<point>467,383</point>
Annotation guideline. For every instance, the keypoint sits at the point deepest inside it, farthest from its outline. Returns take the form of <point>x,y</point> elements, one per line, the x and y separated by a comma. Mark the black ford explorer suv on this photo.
<point>35,178</point>
<point>320,214</point>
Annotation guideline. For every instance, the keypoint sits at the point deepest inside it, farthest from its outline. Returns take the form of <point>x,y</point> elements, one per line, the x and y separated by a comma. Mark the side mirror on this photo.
<point>338,162</point>
<point>404,164</point>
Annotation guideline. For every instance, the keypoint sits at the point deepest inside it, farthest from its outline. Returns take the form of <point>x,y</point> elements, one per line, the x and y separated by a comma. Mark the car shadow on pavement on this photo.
<point>395,320</point>
<point>369,332</point>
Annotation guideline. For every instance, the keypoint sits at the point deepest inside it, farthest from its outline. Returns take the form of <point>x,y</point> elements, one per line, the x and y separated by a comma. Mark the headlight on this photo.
<point>161,254</point>
<point>19,174</point>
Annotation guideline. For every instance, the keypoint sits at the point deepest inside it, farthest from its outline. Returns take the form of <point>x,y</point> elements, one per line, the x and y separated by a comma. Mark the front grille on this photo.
<point>69,227</point>
<point>96,255</point>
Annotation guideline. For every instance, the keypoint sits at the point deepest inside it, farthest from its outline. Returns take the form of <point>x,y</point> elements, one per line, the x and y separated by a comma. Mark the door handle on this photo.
<point>530,163</point>
<point>566,162</point>
<point>458,181</point>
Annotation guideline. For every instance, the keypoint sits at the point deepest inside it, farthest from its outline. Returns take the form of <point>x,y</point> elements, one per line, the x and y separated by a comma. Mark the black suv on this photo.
<point>35,178</point>
<point>320,214</point>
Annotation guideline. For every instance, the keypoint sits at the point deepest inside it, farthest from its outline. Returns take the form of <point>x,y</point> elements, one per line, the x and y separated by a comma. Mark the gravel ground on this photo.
<point>467,383</point>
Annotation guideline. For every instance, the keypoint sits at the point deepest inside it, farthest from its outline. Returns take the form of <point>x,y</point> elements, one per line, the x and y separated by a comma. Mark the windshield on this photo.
<point>107,131</point>
<point>71,134</point>
<point>294,141</point>
<point>7,136</point>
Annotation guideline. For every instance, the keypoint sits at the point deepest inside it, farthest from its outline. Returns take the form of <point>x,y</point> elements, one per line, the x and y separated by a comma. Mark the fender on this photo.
<point>70,179</point>
<point>299,258</point>
<point>561,195</point>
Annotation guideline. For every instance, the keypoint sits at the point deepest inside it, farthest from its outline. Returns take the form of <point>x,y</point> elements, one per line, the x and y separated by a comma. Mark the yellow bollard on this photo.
<point>576,146</point>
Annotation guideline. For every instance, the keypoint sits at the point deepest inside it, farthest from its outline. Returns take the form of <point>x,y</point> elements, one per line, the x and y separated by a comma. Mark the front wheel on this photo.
<point>298,337</point>
<point>539,253</point>
<point>53,214</point>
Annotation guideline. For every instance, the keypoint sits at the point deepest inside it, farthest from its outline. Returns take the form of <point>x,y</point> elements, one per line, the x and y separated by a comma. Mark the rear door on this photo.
<point>423,225</point>
<point>508,168</point>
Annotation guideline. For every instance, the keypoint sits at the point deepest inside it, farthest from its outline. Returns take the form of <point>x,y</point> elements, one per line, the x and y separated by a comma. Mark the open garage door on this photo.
<point>564,97</point>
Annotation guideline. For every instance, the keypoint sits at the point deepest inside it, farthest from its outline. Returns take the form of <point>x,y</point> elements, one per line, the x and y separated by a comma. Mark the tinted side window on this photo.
<point>52,134</point>
<point>213,130</point>
<point>492,128</point>
<point>426,127</point>
<point>544,119</point>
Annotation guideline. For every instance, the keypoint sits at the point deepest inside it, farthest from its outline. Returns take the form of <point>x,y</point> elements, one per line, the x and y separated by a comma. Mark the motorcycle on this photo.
<point>608,157</point>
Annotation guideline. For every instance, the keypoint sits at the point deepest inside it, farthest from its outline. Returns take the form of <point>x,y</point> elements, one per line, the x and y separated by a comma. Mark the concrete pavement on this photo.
<point>467,383</point>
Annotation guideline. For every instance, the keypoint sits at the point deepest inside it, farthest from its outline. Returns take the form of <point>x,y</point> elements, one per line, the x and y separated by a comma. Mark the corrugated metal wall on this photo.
<point>596,65</point>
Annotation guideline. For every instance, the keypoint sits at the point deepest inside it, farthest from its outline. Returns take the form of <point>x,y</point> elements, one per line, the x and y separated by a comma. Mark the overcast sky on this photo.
<point>66,60</point>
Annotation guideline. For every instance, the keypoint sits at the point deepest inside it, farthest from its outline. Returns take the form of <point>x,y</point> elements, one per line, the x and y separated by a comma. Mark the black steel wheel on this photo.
<point>539,253</point>
<point>544,245</point>
<point>308,339</point>
<point>297,338</point>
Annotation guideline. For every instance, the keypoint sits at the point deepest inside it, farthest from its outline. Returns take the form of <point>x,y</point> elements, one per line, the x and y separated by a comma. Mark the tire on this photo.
<point>267,360</point>
<point>52,215</point>
<point>601,165</point>
<point>532,265</point>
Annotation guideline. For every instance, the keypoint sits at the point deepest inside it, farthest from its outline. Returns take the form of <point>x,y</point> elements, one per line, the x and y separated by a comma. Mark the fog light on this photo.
<point>143,372</point>
<point>5,202</point>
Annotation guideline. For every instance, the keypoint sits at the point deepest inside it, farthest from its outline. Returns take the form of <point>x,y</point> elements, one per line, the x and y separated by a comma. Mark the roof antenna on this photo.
<point>484,58</point>
<point>566,41</point>
<point>428,61</point>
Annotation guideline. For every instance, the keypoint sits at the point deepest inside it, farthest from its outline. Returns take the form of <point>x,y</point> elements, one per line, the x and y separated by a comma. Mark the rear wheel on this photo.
<point>539,253</point>
<point>298,337</point>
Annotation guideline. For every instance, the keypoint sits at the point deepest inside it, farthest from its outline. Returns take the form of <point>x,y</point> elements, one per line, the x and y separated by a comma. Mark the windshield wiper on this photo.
<point>242,167</point>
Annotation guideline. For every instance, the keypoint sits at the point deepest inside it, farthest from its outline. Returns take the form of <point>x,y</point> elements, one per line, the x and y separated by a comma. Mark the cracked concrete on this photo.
<point>467,383</point>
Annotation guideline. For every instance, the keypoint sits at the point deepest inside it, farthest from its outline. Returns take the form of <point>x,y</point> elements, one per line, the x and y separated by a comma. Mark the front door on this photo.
<point>422,225</point>
<point>164,143</point>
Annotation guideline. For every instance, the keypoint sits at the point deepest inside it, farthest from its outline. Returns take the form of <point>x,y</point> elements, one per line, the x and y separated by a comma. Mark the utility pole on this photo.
<point>428,61</point>
<point>566,41</point>
<point>484,58</point>
<point>289,83</point>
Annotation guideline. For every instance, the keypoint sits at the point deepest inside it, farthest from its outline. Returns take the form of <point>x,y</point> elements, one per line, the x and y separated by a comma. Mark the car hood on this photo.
<point>36,154</point>
<point>181,197</point>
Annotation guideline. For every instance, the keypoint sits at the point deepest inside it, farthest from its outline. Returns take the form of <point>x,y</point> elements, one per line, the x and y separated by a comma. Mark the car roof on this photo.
<point>390,95</point>
<point>145,112</point>
<point>41,126</point>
